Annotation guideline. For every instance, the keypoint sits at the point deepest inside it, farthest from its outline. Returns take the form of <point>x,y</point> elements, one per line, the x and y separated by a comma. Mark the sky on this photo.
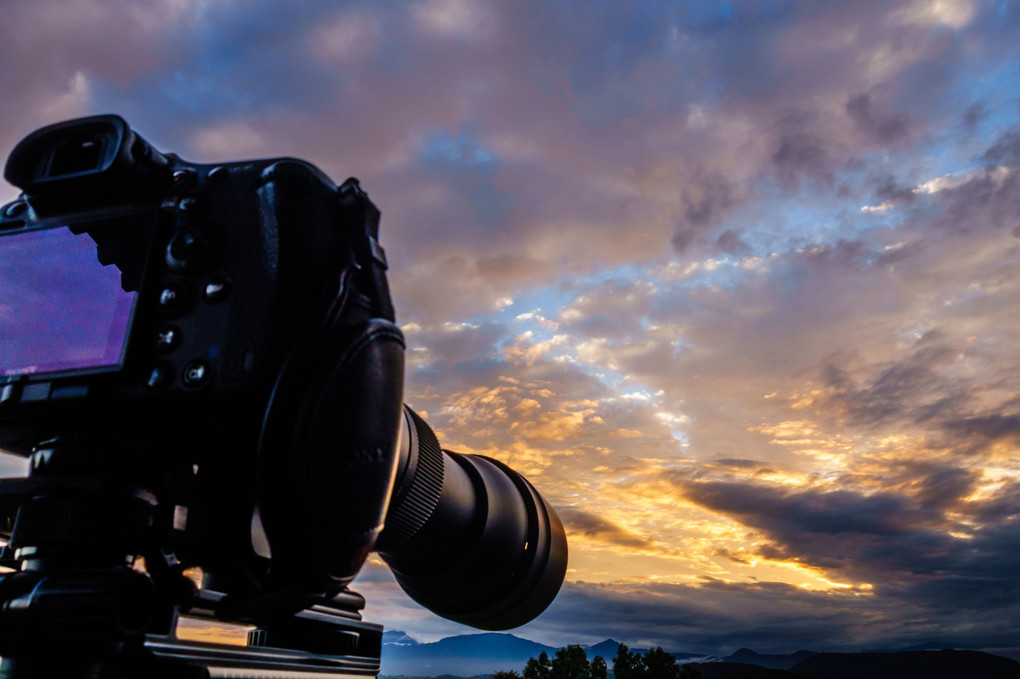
<point>730,283</point>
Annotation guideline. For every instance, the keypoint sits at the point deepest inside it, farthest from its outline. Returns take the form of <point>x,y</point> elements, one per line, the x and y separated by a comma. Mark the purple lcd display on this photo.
<point>61,310</point>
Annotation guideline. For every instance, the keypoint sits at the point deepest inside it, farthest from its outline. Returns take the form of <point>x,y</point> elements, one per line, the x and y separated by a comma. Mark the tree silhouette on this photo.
<point>571,662</point>
<point>538,668</point>
<point>627,664</point>
<point>661,665</point>
<point>655,664</point>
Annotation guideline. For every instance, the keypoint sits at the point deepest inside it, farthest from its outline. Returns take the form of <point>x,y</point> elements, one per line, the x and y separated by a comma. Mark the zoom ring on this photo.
<point>407,518</point>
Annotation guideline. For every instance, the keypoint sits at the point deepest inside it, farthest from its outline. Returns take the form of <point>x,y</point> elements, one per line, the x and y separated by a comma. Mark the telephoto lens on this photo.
<point>469,538</point>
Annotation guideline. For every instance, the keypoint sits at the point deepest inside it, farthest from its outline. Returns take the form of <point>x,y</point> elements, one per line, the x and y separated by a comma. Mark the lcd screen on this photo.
<point>61,310</point>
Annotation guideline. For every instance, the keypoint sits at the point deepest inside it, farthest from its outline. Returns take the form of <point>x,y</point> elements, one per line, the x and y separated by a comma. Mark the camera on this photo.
<point>201,362</point>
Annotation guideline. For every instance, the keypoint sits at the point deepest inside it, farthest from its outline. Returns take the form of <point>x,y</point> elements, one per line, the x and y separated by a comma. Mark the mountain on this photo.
<point>606,649</point>
<point>397,638</point>
<point>463,656</point>
<point>778,662</point>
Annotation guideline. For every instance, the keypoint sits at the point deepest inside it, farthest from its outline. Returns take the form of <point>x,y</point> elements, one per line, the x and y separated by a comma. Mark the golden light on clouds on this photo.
<point>820,477</point>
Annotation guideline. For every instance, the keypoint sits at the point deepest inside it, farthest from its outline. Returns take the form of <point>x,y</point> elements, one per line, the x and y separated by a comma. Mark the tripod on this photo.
<point>79,603</point>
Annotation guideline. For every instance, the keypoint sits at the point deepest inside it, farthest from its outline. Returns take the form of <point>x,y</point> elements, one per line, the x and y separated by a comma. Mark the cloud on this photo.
<point>348,38</point>
<point>587,524</point>
<point>922,579</point>
<point>705,202</point>
<point>717,617</point>
<point>800,152</point>
<point>910,387</point>
<point>456,19</point>
<point>885,128</point>
<point>880,539</point>
<point>1005,151</point>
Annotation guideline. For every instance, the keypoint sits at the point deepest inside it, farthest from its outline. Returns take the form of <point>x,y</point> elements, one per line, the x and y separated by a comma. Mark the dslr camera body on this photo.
<point>203,366</point>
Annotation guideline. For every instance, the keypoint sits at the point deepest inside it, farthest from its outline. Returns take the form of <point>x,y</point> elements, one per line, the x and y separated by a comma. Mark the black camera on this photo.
<point>202,363</point>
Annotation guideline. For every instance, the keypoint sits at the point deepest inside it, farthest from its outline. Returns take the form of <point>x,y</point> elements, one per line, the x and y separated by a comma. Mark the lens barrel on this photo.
<point>469,538</point>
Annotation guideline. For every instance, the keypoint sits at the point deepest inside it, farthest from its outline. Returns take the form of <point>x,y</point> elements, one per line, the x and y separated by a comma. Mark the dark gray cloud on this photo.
<point>706,202</point>
<point>974,115</point>
<point>909,388</point>
<point>807,512</point>
<point>896,540</point>
<point>738,463</point>
<point>979,431</point>
<point>1001,507</point>
<point>885,127</point>
<point>577,521</point>
<point>889,192</point>
<point>718,618</point>
<point>800,153</point>
<point>1005,151</point>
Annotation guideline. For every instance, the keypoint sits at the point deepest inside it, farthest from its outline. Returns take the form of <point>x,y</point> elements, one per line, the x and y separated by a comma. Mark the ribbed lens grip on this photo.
<point>412,511</point>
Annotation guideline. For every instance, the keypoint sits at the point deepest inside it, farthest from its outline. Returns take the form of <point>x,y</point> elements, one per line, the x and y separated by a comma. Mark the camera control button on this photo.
<point>69,391</point>
<point>168,338</point>
<point>184,250</point>
<point>14,209</point>
<point>160,377</point>
<point>187,204</point>
<point>183,178</point>
<point>185,244</point>
<point>171,297</point>
<point>196,373</point>
<point>40,391</point>
<point>216,290</point>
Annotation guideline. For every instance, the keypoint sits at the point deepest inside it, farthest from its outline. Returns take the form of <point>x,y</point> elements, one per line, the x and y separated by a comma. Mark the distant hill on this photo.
<point>738,670</point>
<point>607,649</point>
<point>779,662</point>
<point>475,656</point>
<point>462,656</point>
<point>927,664</point>
<point>924,664</point>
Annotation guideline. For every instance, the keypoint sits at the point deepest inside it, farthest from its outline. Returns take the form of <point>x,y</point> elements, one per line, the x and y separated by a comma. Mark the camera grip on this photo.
<point>327,454</point>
